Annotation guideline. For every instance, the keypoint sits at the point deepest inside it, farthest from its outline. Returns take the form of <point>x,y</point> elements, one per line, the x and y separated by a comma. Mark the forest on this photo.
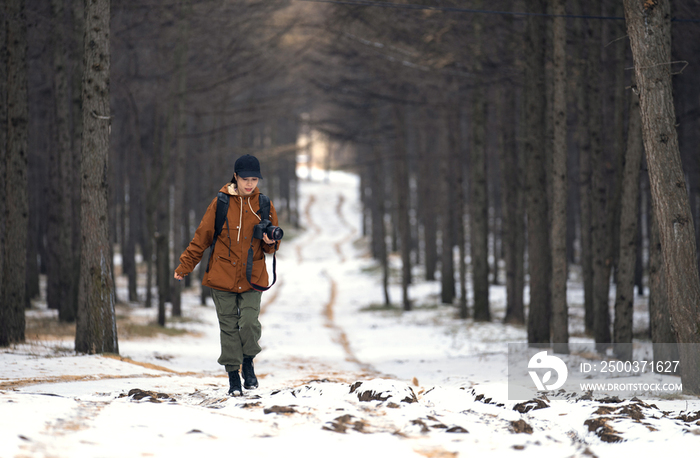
<point>526,143</point>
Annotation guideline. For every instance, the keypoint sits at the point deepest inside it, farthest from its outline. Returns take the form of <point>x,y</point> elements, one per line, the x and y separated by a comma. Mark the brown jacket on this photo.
<point>227,271</point>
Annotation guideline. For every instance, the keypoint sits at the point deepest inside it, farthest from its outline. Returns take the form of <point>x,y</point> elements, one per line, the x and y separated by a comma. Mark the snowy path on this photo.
<point>300,322</point>
<point>431,385</point>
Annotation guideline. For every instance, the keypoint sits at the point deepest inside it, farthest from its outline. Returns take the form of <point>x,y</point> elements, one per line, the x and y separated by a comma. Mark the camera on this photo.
<point>265,227</point>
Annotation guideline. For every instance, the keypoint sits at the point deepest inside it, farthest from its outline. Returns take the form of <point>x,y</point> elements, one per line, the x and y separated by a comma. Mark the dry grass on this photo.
<point>129,330</point>
<point>48,328</point>
<point>44,328</point>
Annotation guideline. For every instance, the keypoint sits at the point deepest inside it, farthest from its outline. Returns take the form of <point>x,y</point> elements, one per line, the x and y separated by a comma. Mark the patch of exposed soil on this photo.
<point>533,404</point>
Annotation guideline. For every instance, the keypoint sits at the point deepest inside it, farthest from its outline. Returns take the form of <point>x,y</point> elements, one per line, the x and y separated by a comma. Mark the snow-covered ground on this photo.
<point>339,376</point>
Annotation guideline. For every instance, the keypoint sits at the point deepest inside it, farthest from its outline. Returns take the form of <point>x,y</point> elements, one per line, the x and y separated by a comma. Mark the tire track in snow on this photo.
<point>339,245</point>
<point>300,259</point>
<point>70,423</point>
<point>316,228</point>
<point>340,337</point>
<point>18,383</point>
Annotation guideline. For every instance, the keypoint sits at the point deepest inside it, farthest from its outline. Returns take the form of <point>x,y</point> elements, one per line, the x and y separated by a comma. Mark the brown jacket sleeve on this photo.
<point>203,237</point>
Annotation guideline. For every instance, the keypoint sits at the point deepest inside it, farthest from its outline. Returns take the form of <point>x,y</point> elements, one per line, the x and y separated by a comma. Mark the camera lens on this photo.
<point>275,233</point>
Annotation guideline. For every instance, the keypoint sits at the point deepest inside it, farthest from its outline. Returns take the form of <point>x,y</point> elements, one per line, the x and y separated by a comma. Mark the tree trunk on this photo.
<point>627,258</point>
<point>162,272</point>
<point>78,17</point>
<point>641,214</point>
<point>403,198</point>
<point>448,215</point>
<point>129,251</point>
<point>584,141</point>
<point>539,254</point>
<point>614,107</point>
<point>63,201</point>
<point>13,290</point>
<point>662,336</point>
<point>96,330</point>
<point>205,291</point>
<point>599,229</point>
<point>379,196</point>
<point>426,209</point>
<point>137,186</point>
<point>560,185</point>
<point>478,207</point>
<point>454,152</point>
<point>179,239</point>
<point>384,256</point>
<point>3,147</point>
<point>513,214</point>
<point>32,281</point>
<point>649,29</point>
<point>53,212</point>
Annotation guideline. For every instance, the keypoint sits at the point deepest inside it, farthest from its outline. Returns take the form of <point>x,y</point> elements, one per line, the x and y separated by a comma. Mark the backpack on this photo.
<point>264,213</point>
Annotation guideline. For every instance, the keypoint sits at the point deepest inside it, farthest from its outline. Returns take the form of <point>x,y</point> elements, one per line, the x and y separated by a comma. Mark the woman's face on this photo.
<point>246,185</point>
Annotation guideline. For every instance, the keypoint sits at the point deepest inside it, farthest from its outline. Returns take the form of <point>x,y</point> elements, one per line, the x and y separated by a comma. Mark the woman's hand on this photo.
<point>267,239</point>
<point>177,277</point>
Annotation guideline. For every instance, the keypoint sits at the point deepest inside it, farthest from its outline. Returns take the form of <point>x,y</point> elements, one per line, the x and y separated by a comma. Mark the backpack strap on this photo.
<point>221,212</point>
<point>264,211</point>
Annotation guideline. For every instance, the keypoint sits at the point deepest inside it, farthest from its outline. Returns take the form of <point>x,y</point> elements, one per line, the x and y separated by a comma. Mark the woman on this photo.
<point>237,302</point>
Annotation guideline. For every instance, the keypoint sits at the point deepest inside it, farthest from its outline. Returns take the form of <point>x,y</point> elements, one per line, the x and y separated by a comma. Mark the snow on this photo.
<point>339,375</point>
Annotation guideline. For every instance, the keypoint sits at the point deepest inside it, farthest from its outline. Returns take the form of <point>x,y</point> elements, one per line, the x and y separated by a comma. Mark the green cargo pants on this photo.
<point>239,325</point>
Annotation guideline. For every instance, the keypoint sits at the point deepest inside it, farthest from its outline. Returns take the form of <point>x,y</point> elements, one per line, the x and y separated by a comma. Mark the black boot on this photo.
<point>249,379</point>
<point>234,383</point>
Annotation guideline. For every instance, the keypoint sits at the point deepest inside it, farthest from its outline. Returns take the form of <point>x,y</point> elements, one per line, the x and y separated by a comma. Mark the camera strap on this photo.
<point>264,213</point>
<point>249,269</point>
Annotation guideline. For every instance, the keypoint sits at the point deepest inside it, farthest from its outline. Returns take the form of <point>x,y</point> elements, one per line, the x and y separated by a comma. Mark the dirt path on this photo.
<point>339,335</point>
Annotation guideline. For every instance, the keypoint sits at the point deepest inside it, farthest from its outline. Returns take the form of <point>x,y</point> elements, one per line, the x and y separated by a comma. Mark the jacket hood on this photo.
<point>231,190</point>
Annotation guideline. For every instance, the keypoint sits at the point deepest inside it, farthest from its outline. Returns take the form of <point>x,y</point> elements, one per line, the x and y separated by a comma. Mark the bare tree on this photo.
<point>3,145</point>
<point>624,296</point>
<point>62,202</point>
<point>180,240</point>
<point>478,184</point>
<point>403,198</point>
<point>560,317</point>
<point>600,229</point>
<point>12,288</point>
<point>457,196</point>
<point>448,216</point>
<point>96,330</point>
<point>663,339</point>
<point>513,213</point>
<point>539,254</point>
<point>649,29</point>
<point>511,169</point>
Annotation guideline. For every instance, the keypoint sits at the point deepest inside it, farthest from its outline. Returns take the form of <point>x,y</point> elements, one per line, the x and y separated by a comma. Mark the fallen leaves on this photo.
<point>284,410</point>
<point>379,390</point>
<point>138,394</point>
<point>533,404</point>
<point>344,422</point>
<point>520,426</point>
